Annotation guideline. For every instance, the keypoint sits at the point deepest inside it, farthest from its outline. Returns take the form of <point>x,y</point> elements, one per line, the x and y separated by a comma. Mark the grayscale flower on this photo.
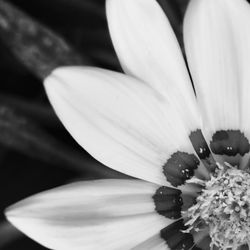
<point>191,151</point>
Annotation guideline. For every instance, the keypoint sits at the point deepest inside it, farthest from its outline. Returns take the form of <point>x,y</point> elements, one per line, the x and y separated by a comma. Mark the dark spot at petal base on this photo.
<point>180,167</point>
<point>176,239</point>
<point>229,142</point>
<point>168,202</point>
<point>201,148</point>
<point>199,144</point>
<point>205,243</point>
<point>188,201</point>
<point>243,247</point>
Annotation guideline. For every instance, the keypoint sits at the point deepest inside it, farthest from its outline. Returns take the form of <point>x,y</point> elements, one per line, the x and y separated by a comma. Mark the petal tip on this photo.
<point>15,210</point>
<point>55,79</point>
<point>8,212</point>
<point>13,215</point>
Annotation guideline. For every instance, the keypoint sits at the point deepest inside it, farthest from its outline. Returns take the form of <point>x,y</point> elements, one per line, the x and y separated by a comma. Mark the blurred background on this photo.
<point>36,152</point>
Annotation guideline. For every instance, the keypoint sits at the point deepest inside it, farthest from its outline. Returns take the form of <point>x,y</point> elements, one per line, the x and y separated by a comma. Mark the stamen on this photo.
<point>224,208</point>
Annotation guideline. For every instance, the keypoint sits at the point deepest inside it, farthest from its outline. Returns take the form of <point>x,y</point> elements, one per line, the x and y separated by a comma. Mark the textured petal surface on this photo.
<point>111,214</point>
<point>119,120</point>
<point>217,42</point>
<point>148,49</point>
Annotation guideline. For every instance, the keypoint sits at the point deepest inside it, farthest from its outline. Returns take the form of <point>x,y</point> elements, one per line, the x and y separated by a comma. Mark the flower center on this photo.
<point>224,208</point>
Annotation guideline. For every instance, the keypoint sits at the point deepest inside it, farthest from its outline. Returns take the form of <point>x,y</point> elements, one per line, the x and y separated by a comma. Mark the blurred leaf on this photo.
<point>21,134</point>
<point>43,114</point>
<point>37,47</point>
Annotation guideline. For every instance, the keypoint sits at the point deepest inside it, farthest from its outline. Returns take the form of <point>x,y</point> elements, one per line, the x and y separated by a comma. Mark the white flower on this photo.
<point>147,124</point>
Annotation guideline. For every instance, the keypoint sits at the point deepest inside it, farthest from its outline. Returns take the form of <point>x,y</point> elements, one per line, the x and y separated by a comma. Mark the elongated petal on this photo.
<point>148,49</point>
<point>217,42</point>
<point>123,123</point>
<point>111,214</point>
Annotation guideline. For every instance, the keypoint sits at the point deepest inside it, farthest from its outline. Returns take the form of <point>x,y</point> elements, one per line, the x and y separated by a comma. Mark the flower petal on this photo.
<point>175,237</point>
<point>171,237</point>
<point>122,122</point>
<point>217,42</point>
<point>112,214</point>
<point>148,49</point>
<point>153,243</point>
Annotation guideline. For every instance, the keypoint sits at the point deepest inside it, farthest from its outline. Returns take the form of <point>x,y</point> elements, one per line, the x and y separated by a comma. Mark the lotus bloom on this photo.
<point>189,149</point>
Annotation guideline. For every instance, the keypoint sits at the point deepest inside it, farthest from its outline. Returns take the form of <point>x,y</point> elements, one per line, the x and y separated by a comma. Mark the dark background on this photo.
<point>36,152</point>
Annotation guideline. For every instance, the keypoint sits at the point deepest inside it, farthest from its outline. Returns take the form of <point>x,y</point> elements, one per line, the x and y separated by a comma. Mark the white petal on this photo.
<point>111,214</point>
<point>119,120</point>
<point>148,49</point>
<point>153,243</point>
<point>217,42</point>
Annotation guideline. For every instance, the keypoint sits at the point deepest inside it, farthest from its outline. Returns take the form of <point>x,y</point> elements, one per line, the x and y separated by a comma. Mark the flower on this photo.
<point>190,151</point>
